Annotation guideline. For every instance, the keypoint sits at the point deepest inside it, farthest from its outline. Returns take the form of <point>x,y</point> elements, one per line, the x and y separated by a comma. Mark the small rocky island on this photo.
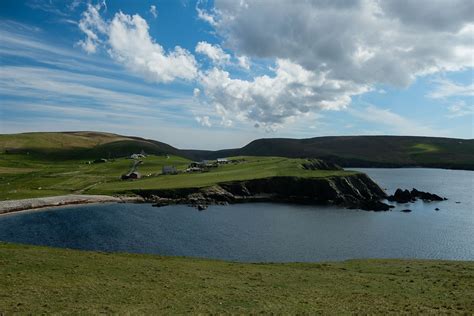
<point>405,196</point>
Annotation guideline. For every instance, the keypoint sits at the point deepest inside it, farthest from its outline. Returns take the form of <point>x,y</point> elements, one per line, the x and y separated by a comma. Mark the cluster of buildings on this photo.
<point>137,156</point>
<point>201,166</point>
<point>205,165</point>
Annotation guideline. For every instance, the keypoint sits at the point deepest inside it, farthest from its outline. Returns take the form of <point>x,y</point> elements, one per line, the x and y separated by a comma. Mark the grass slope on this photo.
<point>37,280</point>
<point>85,145</point>
<point>251,168</point>
<point>348,151</point>
<point>363,151</point>
<point>28,176</point>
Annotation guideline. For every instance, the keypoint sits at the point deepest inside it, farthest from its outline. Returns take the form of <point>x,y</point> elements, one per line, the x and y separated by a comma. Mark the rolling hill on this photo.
<point>361,151</point>
<point>81,145</point>
<point>347,151</point>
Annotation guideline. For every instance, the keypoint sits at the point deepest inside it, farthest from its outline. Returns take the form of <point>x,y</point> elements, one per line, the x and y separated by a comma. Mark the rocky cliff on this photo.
<point>354,191</point>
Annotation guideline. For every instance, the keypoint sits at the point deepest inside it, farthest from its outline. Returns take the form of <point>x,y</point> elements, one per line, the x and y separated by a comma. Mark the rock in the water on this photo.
<point>201,207</point>
<point>436,209</point>
<point>406,211</point>
<point>401,196</point>
<point>426,196</point>
<point>405,196</point>
<point>373,205</point>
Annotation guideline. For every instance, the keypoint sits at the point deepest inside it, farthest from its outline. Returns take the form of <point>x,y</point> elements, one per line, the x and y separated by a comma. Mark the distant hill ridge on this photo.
<point>83,144</point>
<point>347,151</point>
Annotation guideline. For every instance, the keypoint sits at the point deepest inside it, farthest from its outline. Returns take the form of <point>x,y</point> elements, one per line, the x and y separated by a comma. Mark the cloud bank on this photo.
<point>364,41</point>
<point>323,53</point>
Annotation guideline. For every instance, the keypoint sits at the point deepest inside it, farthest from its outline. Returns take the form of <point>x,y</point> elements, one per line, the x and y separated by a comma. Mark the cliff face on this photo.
<point>355,191</point>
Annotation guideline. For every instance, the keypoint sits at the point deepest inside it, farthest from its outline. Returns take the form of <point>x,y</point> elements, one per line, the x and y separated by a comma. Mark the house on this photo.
<point>137,156</point>
<point>193,169</point>
<point>169,170</point>
<point>209,164</point>
<point>131,176</point>
<point>194,165</point>
<point>222,161</point>
<point>101,160</point>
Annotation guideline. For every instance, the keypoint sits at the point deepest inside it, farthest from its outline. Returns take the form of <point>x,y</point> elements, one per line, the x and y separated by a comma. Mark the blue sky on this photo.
<point>213,75</point>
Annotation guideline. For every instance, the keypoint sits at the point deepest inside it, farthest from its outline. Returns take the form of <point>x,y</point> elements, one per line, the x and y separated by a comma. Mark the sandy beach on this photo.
<point>37,203</point>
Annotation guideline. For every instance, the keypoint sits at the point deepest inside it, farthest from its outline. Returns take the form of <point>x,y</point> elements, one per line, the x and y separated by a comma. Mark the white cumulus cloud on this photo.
<point>213,52</point>
<point>364,41</point>
<point>92,25</point>
<point>205,15</point>
<point>244,62</point>
<point>271,101</point>
<point>328,51</point>
<point>129,43</point>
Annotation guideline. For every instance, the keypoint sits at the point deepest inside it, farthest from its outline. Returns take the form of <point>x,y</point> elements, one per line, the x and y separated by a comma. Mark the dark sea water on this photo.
<point>270,232</point>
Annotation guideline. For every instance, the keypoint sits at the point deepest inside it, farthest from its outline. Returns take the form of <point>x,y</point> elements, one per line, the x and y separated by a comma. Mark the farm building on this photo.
<point>222,160</point>
<point>169,170</point>
<point>193,169</point>
<point>137,156</point>
<point>131,176</point>
<point>203,164</point>
<point>101,160</point>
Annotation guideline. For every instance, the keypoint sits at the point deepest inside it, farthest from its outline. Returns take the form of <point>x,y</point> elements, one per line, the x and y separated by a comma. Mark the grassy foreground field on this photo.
<point>36,280</point>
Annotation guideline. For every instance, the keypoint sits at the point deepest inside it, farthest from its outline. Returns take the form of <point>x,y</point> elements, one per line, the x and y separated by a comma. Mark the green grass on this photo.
<point>251,168</point>
<point>48,164</point>
<point>60,146</point>
<point>424,148</point>
<point>37,280</point>
<point>353,151</point>
<point>28,176</point>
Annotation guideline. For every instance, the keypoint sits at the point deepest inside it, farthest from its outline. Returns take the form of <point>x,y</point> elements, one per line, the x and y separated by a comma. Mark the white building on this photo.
<point>169,170</point>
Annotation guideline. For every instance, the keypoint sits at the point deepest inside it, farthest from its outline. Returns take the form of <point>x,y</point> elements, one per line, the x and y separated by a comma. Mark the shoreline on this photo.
<point>353,191</point>
<point>32,204</point>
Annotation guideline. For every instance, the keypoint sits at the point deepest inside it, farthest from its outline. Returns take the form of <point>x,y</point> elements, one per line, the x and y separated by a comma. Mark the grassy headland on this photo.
<point>28,175</point>
<point>46,280</point>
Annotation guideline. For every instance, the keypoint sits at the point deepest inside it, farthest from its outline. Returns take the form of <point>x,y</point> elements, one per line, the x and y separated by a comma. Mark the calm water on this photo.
<point>270,232</point>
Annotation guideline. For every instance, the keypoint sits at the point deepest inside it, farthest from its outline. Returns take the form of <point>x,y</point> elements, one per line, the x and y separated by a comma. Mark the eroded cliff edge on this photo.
<point>351,191</point>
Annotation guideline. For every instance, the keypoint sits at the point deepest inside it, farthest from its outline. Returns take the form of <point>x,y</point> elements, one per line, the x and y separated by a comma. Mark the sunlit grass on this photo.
<point>424,148</point>
<point>38,280</point>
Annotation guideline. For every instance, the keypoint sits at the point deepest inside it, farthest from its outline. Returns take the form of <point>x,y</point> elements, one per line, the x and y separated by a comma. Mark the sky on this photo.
<point>219,74</point>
